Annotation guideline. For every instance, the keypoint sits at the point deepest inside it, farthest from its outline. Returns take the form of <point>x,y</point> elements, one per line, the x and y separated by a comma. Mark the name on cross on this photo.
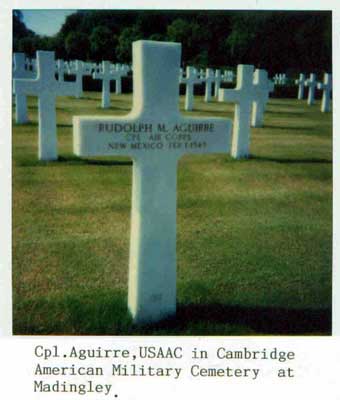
<point>151,128</point>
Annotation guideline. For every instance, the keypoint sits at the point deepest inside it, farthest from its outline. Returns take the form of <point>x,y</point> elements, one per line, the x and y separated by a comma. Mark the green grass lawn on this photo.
<point>254,237</point>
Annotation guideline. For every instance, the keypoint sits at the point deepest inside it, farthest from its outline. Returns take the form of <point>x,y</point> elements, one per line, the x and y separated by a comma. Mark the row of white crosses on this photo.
<point>280,79</point>
<point>209,77</point>
<point>24,68</point>
<point>312,84</point>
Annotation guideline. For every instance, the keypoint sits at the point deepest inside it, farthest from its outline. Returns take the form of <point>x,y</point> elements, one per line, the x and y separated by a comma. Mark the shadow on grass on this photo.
<point>285,113</point>
<point>69,160</point>
<point>64,125</point>
<point>291,160</point>
<point>285,128</point>
<point>104,312</point>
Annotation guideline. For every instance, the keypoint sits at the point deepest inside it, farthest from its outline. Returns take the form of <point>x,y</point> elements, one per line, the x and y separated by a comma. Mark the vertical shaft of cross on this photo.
<point>47,127</point>
<point>106,101</point>
<point>147,79</point>
<point>311,83</point>
<point>326,86</point>
<point>21,116</point>
<point>240,142</point>
<point>152,265</point>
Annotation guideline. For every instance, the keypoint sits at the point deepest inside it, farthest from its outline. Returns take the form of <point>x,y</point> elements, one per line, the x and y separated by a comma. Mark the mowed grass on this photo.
<point>254,237</point>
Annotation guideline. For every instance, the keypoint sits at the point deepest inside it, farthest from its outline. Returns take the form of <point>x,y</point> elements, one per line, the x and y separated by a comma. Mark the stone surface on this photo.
<point>326,86</point>
<point>243,96</point>
<point>46,88</point>
<point>208,79</point>
<point>262,86</point>
<point>301,84</point>
<point>155,135</point>
<point>311,84</point>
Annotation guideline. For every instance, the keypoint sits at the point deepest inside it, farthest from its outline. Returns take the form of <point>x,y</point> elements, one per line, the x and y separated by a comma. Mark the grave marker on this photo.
<point>209,79</point>
<point>119,72</point>
<point>46,88</point>
<point>301,84</point>
<point>243,96</point>
<point>311,83</point>
<point>106,76</point>
<point>61,69</point>
<point>326,86</point>
<point>20,72</point>
<point>263,86</point>
<point>218,80</point>
<point>190,80</point>
<point>155,135</point>
<point>79,69</point>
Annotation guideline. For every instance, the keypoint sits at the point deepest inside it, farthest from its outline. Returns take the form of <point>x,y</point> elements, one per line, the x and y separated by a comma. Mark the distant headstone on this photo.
<point>118,72</point>
<point>106,77</point>
<point>79,69</point>
<point>301,84</point>
<point>326,86</point>
<point>217,82</point>
<point>262,87</point>
<point>46,88</point>
<point>61,70</point>
<point>209,79</point>
<point>155,135</point>
<point>243,96</point>
<point>20,71</point>
<point>190,80</point>
<point>311,83</point>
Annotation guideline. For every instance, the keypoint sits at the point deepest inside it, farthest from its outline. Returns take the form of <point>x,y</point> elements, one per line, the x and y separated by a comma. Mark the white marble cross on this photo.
<point>79,69</point>
<point>20,72</point>
<point>61,69</point>
<point>243,96</point>
<point>262,86</point>
<point>46,88</point>
<point>155,135</point>
<point>326,86</point>
<point>209,79</point>
<point>312,84</point>
<point>106,76</point>
<point>119,72</point>
<point>301,84</point>
<point>217,82</point>
<point>190,80</point>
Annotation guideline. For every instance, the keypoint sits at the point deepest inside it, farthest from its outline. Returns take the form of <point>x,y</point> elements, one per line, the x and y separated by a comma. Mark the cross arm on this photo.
<point>27,86</point>
<point>204,135</point>
<point>229,95</point>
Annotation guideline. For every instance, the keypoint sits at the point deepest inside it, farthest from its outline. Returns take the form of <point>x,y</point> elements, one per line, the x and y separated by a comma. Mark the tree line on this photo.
<point>289,41</point>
